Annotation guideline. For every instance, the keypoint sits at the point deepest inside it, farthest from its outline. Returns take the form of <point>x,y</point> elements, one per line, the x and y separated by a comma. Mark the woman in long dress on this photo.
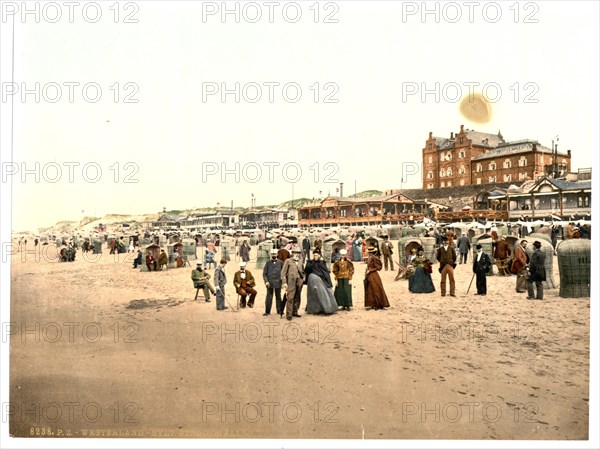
<point>375,297</point>
<point>320,297</point>
<point>420,281</point>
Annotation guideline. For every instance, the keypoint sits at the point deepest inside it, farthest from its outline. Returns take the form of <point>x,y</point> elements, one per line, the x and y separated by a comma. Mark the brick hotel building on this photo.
<point>471,157</point>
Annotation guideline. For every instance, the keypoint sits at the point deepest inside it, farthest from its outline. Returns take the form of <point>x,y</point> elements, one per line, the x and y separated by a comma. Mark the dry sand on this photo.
<point>498,367</point>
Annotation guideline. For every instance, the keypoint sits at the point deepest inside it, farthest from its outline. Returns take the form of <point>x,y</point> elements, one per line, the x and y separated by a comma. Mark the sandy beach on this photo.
<point>83,362</point>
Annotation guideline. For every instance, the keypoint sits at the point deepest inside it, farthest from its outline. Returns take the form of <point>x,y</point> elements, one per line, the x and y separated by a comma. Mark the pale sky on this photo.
<point>175,53</point>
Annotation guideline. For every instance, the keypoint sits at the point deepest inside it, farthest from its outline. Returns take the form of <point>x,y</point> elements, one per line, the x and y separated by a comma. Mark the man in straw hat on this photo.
<point>343,270</point>
<point>272,278</point>
<point>375,297</point>
<point>244,285</point>
<point>537,272</point>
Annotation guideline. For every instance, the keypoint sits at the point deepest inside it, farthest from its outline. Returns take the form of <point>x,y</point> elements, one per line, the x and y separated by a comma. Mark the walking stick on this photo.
<point>230,306</point>
<point>470,283</point>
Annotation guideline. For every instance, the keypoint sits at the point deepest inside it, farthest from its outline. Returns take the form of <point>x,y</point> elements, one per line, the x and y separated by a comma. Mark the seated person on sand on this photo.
<point>201,279</point>
<point>150,262</point>
<point>420,281</point>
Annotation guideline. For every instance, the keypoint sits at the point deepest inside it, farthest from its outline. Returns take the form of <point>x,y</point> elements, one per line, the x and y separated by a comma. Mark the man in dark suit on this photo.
<point>447,259</point>
<point>481,265</point>
<point>464,246</point>
<point>272,278</point>
<point>537,272</point>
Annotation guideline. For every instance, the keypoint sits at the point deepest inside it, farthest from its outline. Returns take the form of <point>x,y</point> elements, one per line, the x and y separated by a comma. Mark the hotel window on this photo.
<point>523,161</point>
<point>449,156</point>
<point>461,140</point>
<point>442,173</point>
<point>492,166</point>
<point>461,154</point>
<point>507,178</point>
<point>478,168</point>
<point>443,185</point>
<point>522,176</point>
<point>492,179</point>
<point>478,180</point>
<point>462,182</point>
<point>449,184</point>
<point>430,175</point>
<point>449,172</point>
<point>430,186</point>
<point>461,170</point>
<point>507,163</point>
<point>430,159</point>
<point>431,146</point>
<point>585,202</point>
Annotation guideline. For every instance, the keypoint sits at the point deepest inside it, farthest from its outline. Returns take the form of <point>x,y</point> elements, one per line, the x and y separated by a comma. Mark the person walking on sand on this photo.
<point>272,278</point>
<point>537,273</point>
<point>519,265</point>
<point>375,297</point>
<point>220,282</point>
<point>481,265</point>
<point>292,278</point>
<point>447,259</point>
<point>387,250</point>
<point>464,246</point>
<point>343,270</point>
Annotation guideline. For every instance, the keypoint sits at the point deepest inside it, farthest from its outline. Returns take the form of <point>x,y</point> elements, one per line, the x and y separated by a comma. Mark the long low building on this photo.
<point>545,197</point>
<point>386,209</point>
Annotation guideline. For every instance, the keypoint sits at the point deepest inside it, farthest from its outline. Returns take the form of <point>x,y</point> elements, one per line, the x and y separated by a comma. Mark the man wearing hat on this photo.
<point>244,285</point>
<point>343,270</point>
<point>305,247</point>
<point>220,281</point>
<point>272,278</point>
<point>447,259</point>
<point>201,279</point>
<point>519,265</point>
<point>537,272</point>
<point>481,265</point>
<point>387,250</point>
<point>292,278</point>
<point>163,259</point>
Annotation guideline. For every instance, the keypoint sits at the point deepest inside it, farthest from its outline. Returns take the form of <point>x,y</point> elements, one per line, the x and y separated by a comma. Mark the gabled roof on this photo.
<point>569,185</point>
<point>516,147</point>
<point>484,139</point>
<point>444,143</point>
<point>170,218</point>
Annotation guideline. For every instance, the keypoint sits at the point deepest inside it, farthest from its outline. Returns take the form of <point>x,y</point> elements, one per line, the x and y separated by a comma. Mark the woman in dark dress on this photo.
<point>420,281</point>
<point>319,297</point>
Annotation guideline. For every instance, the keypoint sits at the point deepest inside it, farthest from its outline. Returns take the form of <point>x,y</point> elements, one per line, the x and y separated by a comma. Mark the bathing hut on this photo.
<point>152,249</point>
<point>574,266</point>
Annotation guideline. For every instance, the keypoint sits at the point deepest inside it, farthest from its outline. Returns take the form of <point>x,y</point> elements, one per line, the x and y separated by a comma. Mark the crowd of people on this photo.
<point>295,264</point>
<point>292,266</point>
